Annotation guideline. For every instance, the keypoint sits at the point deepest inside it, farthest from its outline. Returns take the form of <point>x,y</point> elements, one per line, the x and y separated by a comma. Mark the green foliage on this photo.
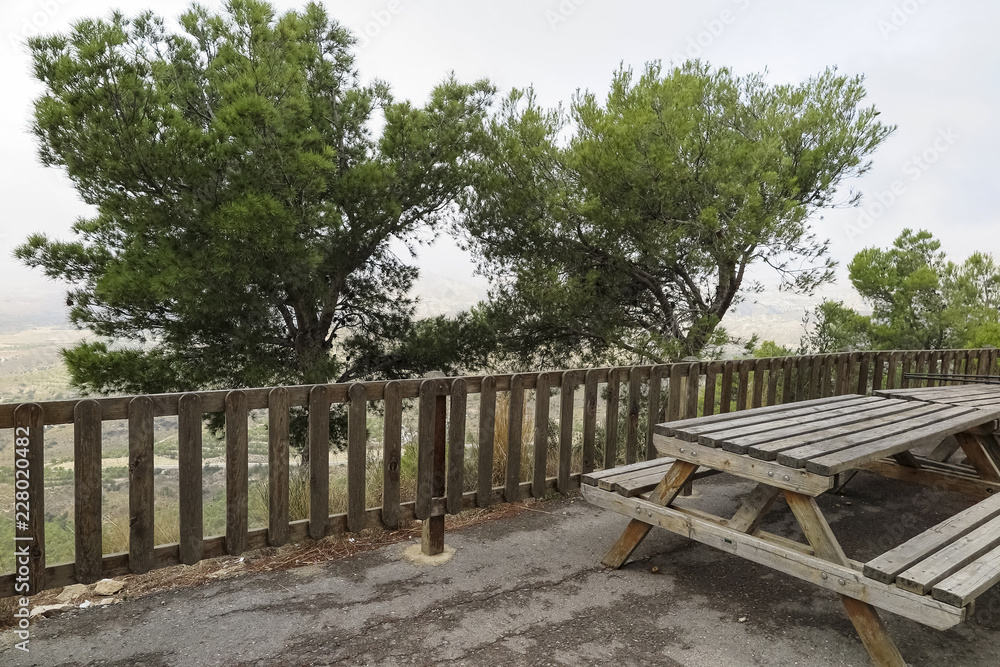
<point>919,300</point>
<point>624,229</point>
<point>245,206</point>
<point>768,348</point>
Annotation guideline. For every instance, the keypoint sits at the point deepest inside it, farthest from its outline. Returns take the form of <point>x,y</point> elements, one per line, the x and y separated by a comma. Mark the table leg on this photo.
<point>978,450</point>
<point>865,618</point>
<point>664,493</point>
<point>754,508</point>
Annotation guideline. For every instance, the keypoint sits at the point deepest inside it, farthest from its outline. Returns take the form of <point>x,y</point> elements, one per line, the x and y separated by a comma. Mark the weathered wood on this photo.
<point>392,427</point>
<point>541,435</point>
<point>759,373</point>
<point>432,529</point>
<point>237,471</point>
<point>726,393</point>
<point>611,419</point>
<point>773,374</point>
<point>709,405</point>
<point>675,397</point>
<point>589,421</point>
<point>891,564</point>
<point>971,581</point>
<point>892,371</point>
<point>777,555</point>
<point>811,429</point>
<point>487,432</point>
<point>864,372</point>
<point>780,476</point>
<point>632,427</point>
<point>456,447</point>
<point>688,425</point>
<point>754,508</point>
<point>799,447</point>
<point>977,455</point>
<point>663,494</point>
<point>816,375</point>
<point>787,380</point>
<point>87,490</point>
<point>691,386</point>
<point>594,478</point>
<point>189,471</point>
<point>742,389</point>
<point>921,577</point>
<point>879,370</point>
<point>29,510</point>
<point>140,484</point>
<point>853,457</point>
<point>758,429</point>
<point>515,417</point>
<point>566,406</point>
<point>425,448</point>
<point>357,455</point>
<point>802,371</point>
<point>278,440</point>
<point>319,461</point>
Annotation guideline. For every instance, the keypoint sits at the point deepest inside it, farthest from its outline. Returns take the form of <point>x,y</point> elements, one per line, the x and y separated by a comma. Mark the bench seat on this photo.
<point>635,479</point>
<point>954,562</point>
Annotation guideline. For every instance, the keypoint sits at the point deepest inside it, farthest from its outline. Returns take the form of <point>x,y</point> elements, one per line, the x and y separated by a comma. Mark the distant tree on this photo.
<point>919,300</point>
<point>627,228</point>
<point>245,204</point>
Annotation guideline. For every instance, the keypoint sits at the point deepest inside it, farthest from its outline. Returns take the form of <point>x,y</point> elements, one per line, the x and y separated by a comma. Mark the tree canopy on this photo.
<point>626,227</point>
<point>245,206</point>
<point>918,298</point>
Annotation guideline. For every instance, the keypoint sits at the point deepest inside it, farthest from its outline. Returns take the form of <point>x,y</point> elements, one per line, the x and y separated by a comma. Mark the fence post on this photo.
<point>432,529</point>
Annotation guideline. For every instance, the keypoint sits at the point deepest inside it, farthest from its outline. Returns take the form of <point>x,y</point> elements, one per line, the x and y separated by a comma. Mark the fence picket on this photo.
<point>140,485</point>
<point>566,405</point>
<point>237,452</point>
<point>726,393</point>
<point>456,446</point>
<point>653,412</point>
<point>29,425</point>
<point>487,432</point>
<point>319,461</point>
<point>515,419</point>
<point>611,419</point>
<point>189,471</point>
<point>634,402</point>
<point>278,416</point>
<point>392,428</point>
<point>589,421</point>
<point>357,456</point>
<point>87,490</point>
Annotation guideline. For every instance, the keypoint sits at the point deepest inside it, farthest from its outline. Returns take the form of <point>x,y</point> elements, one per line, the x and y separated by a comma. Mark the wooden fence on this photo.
<point>676,390</point>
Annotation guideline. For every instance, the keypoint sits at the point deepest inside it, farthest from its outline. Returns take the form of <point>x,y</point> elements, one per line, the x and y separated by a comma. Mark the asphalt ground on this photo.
<point>529,590</point>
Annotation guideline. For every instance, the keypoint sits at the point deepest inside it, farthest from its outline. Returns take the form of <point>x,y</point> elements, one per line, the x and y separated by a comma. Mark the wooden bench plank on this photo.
<point>670,428</point>
<point>838,462</point>
<point>592,478</point>
<point>960,552</point>
<point>764,425</point>
<point>839,437</point>
<point>858,415</point>
<point>889,565</point>
<point>971,581</point>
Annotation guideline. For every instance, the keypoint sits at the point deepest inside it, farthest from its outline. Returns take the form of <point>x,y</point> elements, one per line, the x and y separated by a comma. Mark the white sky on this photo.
<point>931,67</point>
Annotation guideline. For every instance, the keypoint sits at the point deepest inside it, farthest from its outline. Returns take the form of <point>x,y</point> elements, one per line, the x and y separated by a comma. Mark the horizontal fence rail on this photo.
<point>634,399</point>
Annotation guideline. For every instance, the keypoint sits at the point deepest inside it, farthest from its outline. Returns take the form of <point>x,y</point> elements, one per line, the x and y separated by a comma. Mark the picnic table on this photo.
<point>801,450</point>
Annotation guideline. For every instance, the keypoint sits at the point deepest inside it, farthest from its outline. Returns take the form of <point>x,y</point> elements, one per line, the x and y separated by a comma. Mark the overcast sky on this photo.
<point>931,68</point>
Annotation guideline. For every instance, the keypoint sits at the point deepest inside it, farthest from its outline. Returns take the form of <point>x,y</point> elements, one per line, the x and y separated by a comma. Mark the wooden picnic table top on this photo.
<point>821,437</point>
<point>972,395</point>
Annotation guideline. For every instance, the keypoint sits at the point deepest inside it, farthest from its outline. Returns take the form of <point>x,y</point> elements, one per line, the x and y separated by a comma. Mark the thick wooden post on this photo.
<point>432,533</point>
<point>87,468</point>
<point>29,513</point>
